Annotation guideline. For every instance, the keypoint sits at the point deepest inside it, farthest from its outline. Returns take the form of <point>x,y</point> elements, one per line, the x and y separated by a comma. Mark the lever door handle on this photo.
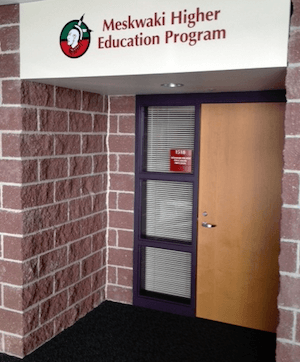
<point>207,225</point>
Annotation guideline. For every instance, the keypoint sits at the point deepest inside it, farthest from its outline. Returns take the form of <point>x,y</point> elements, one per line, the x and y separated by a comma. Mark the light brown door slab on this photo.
<point>240,190</point>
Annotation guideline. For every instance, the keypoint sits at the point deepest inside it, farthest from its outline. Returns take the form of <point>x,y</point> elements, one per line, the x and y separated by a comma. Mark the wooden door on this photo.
<point>240,194</point>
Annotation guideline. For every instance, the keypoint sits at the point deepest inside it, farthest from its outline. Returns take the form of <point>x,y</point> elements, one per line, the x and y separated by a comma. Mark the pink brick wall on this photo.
<point>288,332</point>
<point>53,213</point>
<point>121,145</point>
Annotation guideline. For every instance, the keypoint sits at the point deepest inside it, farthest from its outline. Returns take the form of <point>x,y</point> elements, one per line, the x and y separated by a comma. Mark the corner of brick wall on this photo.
<point>11,173</point>
<point>121,146</point>
<point>53,192</point>
<point>288,331</point>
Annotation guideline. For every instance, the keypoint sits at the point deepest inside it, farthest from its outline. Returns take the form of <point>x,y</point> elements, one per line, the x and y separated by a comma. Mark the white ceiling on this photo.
<point>221,81</point>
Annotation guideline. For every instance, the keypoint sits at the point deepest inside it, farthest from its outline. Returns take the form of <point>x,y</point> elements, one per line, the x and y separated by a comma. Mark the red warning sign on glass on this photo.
<point>181,161</point>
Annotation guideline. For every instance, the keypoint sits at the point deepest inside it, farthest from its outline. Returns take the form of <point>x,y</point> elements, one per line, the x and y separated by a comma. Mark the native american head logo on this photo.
<point>75,38</point>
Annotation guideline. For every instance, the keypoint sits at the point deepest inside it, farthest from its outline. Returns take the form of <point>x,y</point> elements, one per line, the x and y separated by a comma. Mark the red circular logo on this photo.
<point>75,38</point>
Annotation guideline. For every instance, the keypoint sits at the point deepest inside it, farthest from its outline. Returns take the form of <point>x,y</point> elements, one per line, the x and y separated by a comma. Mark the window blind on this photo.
<point>168,210</point>
<point>168,128</point>
<point>167,272</point>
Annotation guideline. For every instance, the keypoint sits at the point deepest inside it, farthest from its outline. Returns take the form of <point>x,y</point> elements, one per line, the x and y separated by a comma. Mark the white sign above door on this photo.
<point>75,38</point>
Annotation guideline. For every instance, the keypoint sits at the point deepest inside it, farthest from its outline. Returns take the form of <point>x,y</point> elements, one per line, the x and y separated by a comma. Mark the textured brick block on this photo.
<point>286,352</point>
<point>92,184</point>
<point>112,275</point>
<point>290,223</point>
<point>30,171</point>
<point>92,144</point>
<point>298,328</point>
<point>294,45</point>
<point>11,92</point>
<point>80,122</point>
<point>68,98</point>
<point>52,261</point>
<point>290,188</point>
<point>122,104</point>
<point>67,277</point>
<point>113,163</point>
<point>289,295</point>
<point>67,189</point>
<point>80,208</point>
<point>92,102</point>
<point>9,14</point>
<point>285,326</point>
<point>288,257</point>
<point>37,291</point>
<point>35,244</point>
<point>100,123</point>
<point>292,83</point>
<point>10,118</point>
<point>53,168</point>
<point>9,65</point>
<point>112,237</point>
<point>10,171</point>
<point>12,297</point>
<point>80,166</point>
<point>29,119</point>
<point>125,239</point>
<point>30,270</point>
<point>80,290</point>
<point>27,145</point>
<point>119,294</point>
<point>9,38</point>
<point>38,337</point>
<point>13,346</point>
<point>37,94</point>
<point>46,217</point>
<point>11,222</point>
<point>121,182</point>
<point>112,200</point>
<point>11,322</point>
<point>99,279</point>
<point>53,306</point>
<point>91,264</point>
<point>67,144</point>
<point>126,163</point>
<point>113,124</point>
<point>31,319</point>
<point>12,197</point>
<point>125,201</point>
<point>99,241</point>
<point>12,247</point>
<point>120,257</point>
<point>124,144</point>
<point>68,232</point>
<point>100,163</point>
<point>67,319</point>
<point>53,121</point>
<point>91,224</point>
<point>121,220</point>
<point>292,119</point>
<point>295,20</point>
<point>292,154</point>
<point>125,277</point>
<point>127,124</point>
<point>80,249</point>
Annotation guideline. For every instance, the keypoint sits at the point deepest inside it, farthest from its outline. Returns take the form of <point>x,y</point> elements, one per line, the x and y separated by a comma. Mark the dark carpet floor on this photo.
<point>115,332</point>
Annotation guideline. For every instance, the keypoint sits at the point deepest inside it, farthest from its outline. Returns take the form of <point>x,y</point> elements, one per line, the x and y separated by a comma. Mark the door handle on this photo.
<point>207,225</point>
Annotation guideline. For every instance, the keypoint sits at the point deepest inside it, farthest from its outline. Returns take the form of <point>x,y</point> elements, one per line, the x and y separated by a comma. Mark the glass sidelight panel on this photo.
<point>167,128</point>
<point>166,272</point>
<point>167,210</point>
